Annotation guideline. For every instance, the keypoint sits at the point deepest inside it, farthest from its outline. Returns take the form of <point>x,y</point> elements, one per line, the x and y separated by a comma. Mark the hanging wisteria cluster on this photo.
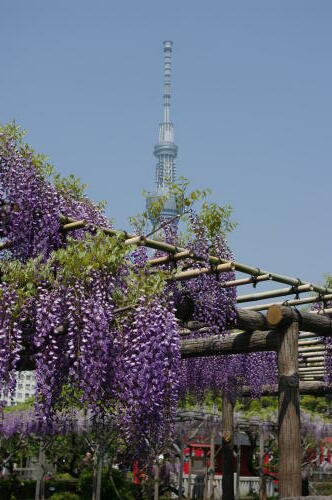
<point>214,306</point>
<point>60,303</point>
<point>58,296</point>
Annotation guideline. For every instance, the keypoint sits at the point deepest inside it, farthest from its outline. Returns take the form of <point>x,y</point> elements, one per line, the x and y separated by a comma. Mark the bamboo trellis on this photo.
<point>280,331</point>
<point>284,338</point>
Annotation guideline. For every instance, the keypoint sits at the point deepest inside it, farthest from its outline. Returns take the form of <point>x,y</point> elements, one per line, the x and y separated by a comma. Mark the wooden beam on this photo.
<point>227,446</point>
<point>289,412</point>
<point>250,320</point>
<point>314,323</point>
<point>237,343</point>
<point>245,320</point>
<point>306,388</point>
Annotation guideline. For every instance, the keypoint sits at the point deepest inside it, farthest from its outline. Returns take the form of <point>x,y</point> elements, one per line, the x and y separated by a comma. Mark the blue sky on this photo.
<point>252,108</point>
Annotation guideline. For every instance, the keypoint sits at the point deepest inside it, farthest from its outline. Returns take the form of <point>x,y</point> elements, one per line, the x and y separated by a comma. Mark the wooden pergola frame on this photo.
<point>279,330</point>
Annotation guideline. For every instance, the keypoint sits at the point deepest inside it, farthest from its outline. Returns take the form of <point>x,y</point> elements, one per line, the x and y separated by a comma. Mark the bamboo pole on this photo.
<point>186,254</point>
<point>314,371</point>
<point>313,356</point>
<point>289,412</point>
<point>312,349</point>
<point>194,273</point>
<point>313,364</point>
<point>227,446</point>
<point>309,336</point>
<point>274,293</point>
<point>172,249</point>
<point>246,281</point>
<point>310,358</point>
<point>309,342</point>
<point>328,310</point>
<point>295,302</point>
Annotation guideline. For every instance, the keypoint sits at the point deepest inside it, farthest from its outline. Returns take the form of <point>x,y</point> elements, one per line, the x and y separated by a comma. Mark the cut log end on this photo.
<point>274,315</point>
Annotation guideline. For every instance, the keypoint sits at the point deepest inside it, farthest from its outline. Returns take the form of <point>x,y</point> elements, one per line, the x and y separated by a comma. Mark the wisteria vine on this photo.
<point>60,294</point>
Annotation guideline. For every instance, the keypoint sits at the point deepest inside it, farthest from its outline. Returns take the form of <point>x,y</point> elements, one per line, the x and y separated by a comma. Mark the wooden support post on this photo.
<point>211,470</point>
<point>262,486</point>
<point>227,446</point>
<point>289,411</point>
<point>40,483</point>
<point>97,473</point>
<point>238,464</point>
<point>156,480</point>
<point>181,467</point>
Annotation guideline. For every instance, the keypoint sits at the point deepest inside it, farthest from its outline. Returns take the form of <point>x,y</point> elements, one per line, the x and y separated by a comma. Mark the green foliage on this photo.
<point>76,261</point>
<point>25,277</point>
<point>62,475</point>
<point>66,495</point>
<point>323,488</point>
<point>122,486</point>
<point>216,219</point>
<point>328,280</point>
<point>318,405</point>
<point>263,408</point>
<point>70,185</point>
<point>26,405</point>
<point>11,131</point>
<point>67,451</point>
<point>13,489</point>
<point>268,405</point>
<point>178,192</point>
<point>95,252</point>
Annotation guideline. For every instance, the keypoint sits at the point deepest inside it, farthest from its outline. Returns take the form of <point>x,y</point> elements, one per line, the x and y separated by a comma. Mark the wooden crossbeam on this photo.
<point>306,388</point>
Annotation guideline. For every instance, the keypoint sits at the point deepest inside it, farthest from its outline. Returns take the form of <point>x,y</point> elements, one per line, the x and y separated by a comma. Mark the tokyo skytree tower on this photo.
<point>165,151</point>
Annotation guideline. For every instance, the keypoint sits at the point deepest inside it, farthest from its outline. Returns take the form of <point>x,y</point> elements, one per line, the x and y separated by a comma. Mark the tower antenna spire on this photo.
<point>168,46</point>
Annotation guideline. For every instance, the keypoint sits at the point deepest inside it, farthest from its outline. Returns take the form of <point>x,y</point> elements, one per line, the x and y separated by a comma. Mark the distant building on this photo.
<point>25,388</point>
<point>165,151</point>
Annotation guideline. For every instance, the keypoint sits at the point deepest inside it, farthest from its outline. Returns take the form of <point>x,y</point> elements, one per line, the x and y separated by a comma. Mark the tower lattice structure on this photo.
<point>165,150</point>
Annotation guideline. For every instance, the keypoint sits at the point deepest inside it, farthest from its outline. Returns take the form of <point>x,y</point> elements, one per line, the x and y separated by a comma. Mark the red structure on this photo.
<point>198,455</point>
